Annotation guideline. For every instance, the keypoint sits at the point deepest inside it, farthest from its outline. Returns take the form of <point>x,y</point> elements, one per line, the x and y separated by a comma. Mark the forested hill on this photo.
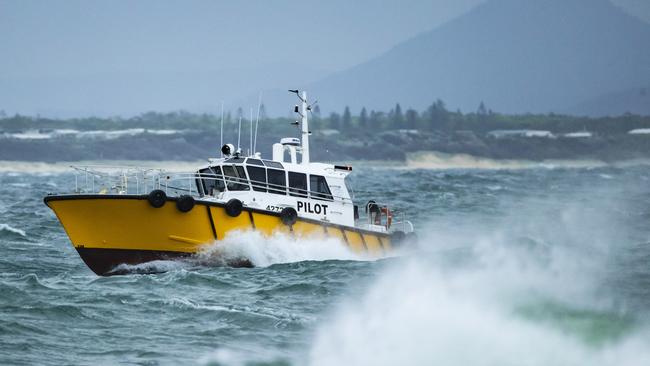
<point>367,134</point>
<point>517,56</point>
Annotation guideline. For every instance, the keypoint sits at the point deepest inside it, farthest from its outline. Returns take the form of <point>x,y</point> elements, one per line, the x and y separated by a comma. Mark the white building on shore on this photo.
<point>500,134</point>
<point>639,131</point>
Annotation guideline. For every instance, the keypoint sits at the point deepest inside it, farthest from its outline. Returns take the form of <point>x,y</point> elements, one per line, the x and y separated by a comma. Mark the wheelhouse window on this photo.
<point>298,184</point>
<point>211,180</point>
<point>255,162</point>
<point>234,161</point>
<point>273,164</point>
<point>258,177</point>
<point>318,188</point>
<point>277,181</point>
<point>235,178</point>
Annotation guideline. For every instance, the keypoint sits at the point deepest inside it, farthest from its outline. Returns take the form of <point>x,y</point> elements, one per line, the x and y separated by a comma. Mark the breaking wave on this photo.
<point>427,317</point>
<point>262,251</point>
<point>507,292</point>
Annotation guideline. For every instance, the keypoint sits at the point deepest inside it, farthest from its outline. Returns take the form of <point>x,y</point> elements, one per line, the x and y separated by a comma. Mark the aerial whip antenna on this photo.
<point>221,134</point>
<point>239,134</point>
<point>257,122</point>
<point>251,143</point>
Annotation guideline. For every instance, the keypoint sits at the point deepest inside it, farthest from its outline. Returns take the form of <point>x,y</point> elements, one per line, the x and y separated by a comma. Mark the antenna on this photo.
<point>239,134</point>
<point>302,112</point>
<point>251,145</point>
<point>221,134</point>
<point>257,122</point>
<point>305,129</point>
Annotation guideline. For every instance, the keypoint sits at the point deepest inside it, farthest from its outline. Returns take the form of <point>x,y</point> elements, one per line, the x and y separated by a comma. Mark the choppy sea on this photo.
<point>536,266</point>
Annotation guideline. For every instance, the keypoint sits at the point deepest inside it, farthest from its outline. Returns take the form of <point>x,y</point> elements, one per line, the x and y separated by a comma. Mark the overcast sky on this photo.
<point>43,41</point>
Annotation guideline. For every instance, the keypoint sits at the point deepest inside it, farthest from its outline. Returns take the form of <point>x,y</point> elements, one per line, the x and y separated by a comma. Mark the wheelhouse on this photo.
<point>264,176</point>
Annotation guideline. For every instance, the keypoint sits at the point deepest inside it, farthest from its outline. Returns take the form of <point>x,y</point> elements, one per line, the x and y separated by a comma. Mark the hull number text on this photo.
<point>274,208</point>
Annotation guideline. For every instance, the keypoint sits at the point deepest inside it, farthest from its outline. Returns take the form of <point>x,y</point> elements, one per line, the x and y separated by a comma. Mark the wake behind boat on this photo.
<point>126,215</point>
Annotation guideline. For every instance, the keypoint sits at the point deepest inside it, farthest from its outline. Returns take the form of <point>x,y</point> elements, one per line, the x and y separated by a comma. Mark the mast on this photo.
<point>305,128</point>
<point>304,123</point>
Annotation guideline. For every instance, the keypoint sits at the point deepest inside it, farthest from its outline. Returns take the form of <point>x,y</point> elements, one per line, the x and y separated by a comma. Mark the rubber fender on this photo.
<point>289,216</point>
<point>185,203</point>
<point>234,207</point>
<point>157,198</point>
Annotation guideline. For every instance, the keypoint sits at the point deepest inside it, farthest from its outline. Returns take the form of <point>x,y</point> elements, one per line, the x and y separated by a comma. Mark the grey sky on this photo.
<point>59,38</point>
<point>48,44</point>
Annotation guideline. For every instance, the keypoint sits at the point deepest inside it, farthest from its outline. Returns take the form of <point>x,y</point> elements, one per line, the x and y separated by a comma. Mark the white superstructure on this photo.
<point>316,191</point>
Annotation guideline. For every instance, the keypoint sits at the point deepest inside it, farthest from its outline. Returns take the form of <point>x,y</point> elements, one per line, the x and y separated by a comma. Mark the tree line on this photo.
<point>436,118</point>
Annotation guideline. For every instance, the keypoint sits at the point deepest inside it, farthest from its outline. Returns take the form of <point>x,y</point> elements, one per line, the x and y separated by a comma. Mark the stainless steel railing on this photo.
<point>104,179</point>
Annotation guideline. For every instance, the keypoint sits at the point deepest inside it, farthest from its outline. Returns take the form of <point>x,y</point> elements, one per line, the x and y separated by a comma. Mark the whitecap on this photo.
<point>157,266</point>
<point>11,229</point>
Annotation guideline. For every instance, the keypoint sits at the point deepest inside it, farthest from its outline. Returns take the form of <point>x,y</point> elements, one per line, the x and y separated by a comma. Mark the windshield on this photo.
<point>235,178</point>
<point>212,181</point>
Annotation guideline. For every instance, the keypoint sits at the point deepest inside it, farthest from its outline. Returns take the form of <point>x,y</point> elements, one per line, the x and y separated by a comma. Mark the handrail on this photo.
<point>129,173</point>
<point>121,180</point>
<point>268,186</point>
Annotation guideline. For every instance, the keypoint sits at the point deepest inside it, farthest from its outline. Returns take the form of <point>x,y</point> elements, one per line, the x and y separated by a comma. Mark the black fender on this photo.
<point>289,216</point>
<point>157,198</point>
<point>234,207</point>
<point>185,203</point>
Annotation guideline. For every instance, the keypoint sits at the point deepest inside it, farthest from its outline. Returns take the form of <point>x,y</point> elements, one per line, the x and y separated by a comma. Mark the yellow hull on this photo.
<point>108,230</point>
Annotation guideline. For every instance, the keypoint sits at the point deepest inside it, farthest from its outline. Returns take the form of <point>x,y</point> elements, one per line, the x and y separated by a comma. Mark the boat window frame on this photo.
<point>216,170</point>
<point>236,180</point>
<point>256,162</point>
<point>274,188</point>
<point>234,161</point>
<point>257,184</point>
<point>298,191</point>
<point>273,164</point>
<point>209,179</point>
<point>316,192</point>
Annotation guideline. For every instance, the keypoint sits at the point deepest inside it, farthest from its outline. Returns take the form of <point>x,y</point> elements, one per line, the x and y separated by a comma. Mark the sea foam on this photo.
<point>526,290</point>
<point>262,251</point>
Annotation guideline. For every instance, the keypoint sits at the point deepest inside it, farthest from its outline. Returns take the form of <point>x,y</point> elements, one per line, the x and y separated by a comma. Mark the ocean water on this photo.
<point>539,266</point>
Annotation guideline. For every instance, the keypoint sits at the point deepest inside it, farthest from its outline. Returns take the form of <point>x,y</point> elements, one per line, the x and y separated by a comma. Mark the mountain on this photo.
<point>517,56</point>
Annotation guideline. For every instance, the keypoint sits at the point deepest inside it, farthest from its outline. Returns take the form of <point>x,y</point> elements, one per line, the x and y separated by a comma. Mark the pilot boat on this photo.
<point>129,216</point>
